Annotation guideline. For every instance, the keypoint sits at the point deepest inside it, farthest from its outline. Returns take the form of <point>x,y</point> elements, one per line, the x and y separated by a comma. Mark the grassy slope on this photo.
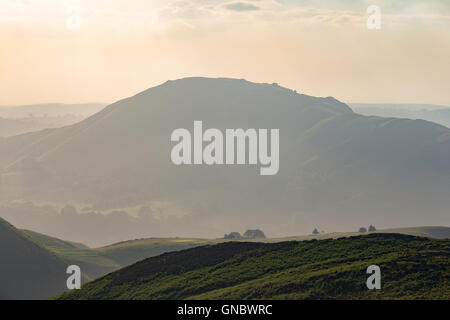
<point>98,262</point>
<point>27,269</point>
<point>128,252</point>
<point>412,268</point>
<point>92,263</point>
<point>52,242</point>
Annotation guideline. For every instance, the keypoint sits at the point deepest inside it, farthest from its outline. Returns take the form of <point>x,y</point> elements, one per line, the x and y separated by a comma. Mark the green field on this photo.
<point>412,268</point>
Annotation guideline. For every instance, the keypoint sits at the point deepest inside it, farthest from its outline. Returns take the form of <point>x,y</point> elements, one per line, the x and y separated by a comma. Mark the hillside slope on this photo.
<point>336,167</point>
<point>28,270</point>
<point>412,268</point>
<point>97,262</point>
<point>93,264</point>
<point>52,242</point>
<point>433,113</point>
<point>129,252</point>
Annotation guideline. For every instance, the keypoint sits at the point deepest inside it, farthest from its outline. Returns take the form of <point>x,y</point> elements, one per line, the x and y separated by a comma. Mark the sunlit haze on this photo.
<point>320,48</point>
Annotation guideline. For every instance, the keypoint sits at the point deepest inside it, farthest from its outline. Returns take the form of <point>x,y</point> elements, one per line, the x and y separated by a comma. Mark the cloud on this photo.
<point>241,6</point>
<point>210,15</point>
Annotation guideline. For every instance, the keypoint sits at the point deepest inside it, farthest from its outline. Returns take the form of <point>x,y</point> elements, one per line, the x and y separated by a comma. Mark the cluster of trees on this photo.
<point>361,230</point>
<point>370,229</point>
<point>249,234</point>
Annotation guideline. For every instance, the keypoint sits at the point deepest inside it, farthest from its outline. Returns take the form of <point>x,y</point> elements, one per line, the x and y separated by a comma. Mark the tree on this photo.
<point>233,236</point>
<point>372,228</point>
<point>315,231</point>
<point>362,230</point>
<point>254,234</point>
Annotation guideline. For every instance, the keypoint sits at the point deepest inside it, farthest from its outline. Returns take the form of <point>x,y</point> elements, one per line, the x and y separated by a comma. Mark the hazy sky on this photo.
<point>318,47</point>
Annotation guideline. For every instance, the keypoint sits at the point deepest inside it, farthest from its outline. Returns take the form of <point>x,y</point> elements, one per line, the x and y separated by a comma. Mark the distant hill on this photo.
<point>129,252</point>
<point>50,110</point>
<point>337,168</point>
<point>433,113</point>
<point>22,119</point>
<point>12,127</point>
<point>28,270</point>
<point>411,268</point>
<point>97,262</point>
<point>93,264</point>
<point>52,242</point>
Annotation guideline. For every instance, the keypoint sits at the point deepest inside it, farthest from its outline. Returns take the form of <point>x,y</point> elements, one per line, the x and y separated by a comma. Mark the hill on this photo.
<point>23,119</point>
<point>412,268</point>
<point>428,232</point>
<point>53,243</point>
<point>97,262</point>
<point>129,252</point>
<point>92,263</point>
<point>28,270</point>
<point>434,113</point>
<point>337,168</point>
<point>50,110</point>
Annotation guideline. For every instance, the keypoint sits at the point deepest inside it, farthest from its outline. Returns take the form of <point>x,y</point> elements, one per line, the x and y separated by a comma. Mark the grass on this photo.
<point>98,262</point>
<point>412,268</point>
<point>125,253</point>
<point>52,242</point>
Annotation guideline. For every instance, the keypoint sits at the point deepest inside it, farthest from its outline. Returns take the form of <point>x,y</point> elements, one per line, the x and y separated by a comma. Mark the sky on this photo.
<point>317,47</point>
